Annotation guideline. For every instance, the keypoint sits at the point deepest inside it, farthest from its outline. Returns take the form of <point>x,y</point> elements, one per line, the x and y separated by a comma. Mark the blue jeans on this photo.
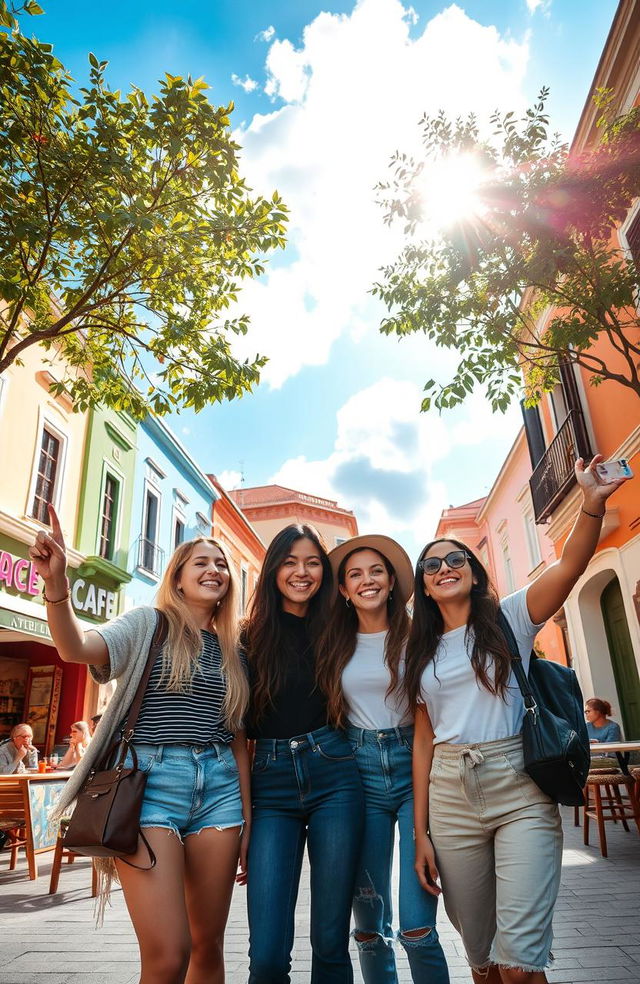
<point>384,761</point>
<point>303,789</point>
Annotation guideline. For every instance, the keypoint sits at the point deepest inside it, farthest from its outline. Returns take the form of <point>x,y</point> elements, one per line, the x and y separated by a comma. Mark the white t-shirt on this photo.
<point>462,710</point>
<point>365,681</point>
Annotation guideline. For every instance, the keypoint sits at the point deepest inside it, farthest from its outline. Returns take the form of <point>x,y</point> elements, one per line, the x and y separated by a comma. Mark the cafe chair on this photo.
<point>609,796</point>
<point>14,828</point>
<point>61,852</point>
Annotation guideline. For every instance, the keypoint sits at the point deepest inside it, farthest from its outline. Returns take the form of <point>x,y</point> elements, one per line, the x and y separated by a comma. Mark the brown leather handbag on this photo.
<point>106,820</point>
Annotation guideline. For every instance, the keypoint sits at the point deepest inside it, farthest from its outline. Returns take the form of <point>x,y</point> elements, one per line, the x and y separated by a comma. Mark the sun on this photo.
<point>448,189</point>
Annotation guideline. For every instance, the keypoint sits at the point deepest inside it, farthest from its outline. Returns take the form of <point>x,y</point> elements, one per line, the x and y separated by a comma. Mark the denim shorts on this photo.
<point>189,787</point>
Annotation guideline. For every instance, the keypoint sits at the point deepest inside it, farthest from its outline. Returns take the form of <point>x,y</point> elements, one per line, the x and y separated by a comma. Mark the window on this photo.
<point>108,517</point>
<point>150,554</point>
<point>632,236</point>
<point>508,567</point>
<point>179,526</point>
<point>534,433</point>
<point>46,476</point>
<point>533,544</point>
<point>244,584</point>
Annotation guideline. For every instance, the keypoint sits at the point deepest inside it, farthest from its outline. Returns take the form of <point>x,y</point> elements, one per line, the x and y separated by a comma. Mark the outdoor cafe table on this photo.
<point>32,795</point>
<point>621,749</point>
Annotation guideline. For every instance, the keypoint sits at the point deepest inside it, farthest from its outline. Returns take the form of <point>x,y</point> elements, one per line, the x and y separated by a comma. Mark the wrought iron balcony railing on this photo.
<point>150,556</point>
<point>554,475</point>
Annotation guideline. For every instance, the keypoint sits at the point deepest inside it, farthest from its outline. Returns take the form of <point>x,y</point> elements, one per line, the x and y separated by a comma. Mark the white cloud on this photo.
<point>230,479</point>
<point>542,5</point>
<point>385,456</point>
<point>349,95</point>
<point>267,34</point>
<point>247,83</point>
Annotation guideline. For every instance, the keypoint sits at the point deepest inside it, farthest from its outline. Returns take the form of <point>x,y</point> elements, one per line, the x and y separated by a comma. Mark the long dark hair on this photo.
<point>262,636</point>
<point>338,643</point>
<point>489,646</point>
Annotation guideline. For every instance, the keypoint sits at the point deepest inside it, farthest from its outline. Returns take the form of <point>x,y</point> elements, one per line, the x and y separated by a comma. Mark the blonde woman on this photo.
<point>79,739</point>
<point>188,740</point>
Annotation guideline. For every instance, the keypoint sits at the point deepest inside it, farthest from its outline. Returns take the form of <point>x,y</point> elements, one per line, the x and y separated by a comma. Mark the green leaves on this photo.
<point>130,211</point>
<point>531,276</point>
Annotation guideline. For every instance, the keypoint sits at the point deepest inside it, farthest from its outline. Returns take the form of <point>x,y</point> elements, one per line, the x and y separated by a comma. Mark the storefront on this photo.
<point>35,685</point>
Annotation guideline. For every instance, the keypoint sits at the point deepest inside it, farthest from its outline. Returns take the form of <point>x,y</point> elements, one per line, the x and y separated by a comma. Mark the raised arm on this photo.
<point>49,558</point>
<point>549,592</point>
<point>425,865</point>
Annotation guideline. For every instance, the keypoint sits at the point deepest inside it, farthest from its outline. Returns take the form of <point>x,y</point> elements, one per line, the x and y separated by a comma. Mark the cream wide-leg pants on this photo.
<point>498,843</point>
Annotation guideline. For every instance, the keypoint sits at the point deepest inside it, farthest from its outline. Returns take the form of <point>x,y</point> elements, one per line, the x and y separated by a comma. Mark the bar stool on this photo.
<point>608,770</point>
<point>610,805</point>
<point>60,853</point>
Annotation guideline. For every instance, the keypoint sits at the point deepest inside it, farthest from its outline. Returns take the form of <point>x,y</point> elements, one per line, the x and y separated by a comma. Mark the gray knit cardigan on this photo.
<point>128,638</point>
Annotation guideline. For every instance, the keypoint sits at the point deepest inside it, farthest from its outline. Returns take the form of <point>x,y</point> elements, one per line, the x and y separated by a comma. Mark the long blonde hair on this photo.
<point>184,642</point>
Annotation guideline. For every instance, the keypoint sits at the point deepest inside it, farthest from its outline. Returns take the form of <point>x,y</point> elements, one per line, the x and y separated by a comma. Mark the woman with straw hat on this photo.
<point>361,671</point>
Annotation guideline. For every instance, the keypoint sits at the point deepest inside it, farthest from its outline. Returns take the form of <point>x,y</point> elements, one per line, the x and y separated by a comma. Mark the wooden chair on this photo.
<point>60,853</point>
<point>14,828</point>
<point>604,801</point>
<point>13,817</point>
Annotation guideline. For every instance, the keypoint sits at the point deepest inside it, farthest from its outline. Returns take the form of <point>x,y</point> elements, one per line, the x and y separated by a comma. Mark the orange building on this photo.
<point>600,620</point>
<point>501,530</point>
<point>246,550</point>
<point>603,610</point>
<point>271,507</point>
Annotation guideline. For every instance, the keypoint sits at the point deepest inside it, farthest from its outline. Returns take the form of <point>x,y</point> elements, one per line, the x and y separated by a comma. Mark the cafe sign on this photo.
<point>18,574</point>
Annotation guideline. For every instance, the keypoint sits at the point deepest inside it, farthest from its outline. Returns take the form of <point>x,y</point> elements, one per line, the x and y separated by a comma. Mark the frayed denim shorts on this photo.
<point>189,787</point>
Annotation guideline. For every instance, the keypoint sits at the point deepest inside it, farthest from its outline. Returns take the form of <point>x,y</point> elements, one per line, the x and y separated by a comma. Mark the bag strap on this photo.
<point>157,642</point>
<point>516,663</point>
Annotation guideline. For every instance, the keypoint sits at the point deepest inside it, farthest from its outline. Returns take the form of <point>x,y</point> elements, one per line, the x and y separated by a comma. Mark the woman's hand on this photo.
<point>49,555</point>
<point>425,865</point>
<point>243,871</point>
<point>594,489</point>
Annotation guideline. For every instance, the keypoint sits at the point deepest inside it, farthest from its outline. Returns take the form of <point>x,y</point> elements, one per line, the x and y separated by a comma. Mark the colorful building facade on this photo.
<point>271,507</point>
<point>603,610</point>
<point>244,548</point>
<point>535,498</point>
<point>44,446</point>
<point>502,532</point>
<point>172,502</point>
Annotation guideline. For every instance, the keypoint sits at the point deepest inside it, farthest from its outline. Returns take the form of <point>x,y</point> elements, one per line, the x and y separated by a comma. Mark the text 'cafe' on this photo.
<point>35,685</point>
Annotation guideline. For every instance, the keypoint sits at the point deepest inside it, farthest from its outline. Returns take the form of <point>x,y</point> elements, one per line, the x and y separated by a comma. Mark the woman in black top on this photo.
<point>305,782</point>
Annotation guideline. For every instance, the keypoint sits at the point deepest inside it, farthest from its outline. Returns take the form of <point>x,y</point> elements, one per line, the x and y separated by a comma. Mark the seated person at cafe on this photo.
<point>79,739</point>
<point>599,727</point>
<point>18,754</point>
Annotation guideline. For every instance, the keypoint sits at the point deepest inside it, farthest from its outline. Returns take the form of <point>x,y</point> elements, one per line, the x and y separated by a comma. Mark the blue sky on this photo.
<point>324,93</point>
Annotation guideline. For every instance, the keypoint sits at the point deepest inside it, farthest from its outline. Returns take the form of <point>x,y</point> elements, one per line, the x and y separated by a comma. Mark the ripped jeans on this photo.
<point>384,761</point>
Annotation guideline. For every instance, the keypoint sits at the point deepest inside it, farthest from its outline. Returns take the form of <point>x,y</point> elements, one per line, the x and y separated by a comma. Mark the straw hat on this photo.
<point>395,554</point>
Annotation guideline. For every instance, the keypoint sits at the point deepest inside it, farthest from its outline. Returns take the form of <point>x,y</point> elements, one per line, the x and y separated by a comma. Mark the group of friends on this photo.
<point>328,718</point>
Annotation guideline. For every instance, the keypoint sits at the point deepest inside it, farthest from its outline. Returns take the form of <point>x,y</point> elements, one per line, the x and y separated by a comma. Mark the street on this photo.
<point>51,939</point>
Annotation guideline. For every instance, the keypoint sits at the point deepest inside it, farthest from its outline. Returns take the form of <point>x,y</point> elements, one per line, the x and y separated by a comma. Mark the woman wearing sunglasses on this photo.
<point>497,836</point>
<point>361,669</point>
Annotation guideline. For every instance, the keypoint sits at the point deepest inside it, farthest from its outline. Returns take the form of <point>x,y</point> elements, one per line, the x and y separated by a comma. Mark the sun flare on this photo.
<point>448,189</point>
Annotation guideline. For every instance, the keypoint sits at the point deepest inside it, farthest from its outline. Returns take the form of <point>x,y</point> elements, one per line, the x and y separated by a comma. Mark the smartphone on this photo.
<point>611,471</point>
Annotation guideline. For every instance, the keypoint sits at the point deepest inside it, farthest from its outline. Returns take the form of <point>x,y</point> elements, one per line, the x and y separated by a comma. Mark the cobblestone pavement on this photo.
<point>51,940</point>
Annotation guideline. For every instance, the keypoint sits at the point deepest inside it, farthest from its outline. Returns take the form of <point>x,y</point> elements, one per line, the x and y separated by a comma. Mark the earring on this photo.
<point>347,603</point>
<point>390,598</point>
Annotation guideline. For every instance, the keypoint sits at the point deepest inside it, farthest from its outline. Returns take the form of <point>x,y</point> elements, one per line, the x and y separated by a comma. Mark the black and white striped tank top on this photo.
<point>194,717</point>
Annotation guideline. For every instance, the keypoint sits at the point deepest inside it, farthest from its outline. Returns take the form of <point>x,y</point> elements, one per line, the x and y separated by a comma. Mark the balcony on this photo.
<point>150,556</point>
<point>554,474</point>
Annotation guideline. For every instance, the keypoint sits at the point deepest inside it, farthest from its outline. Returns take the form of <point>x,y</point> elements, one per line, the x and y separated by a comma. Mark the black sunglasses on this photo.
<point>455,559</point>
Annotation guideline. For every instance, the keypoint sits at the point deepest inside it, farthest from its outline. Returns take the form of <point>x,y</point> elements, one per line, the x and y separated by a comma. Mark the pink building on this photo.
<point>501,531</point>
